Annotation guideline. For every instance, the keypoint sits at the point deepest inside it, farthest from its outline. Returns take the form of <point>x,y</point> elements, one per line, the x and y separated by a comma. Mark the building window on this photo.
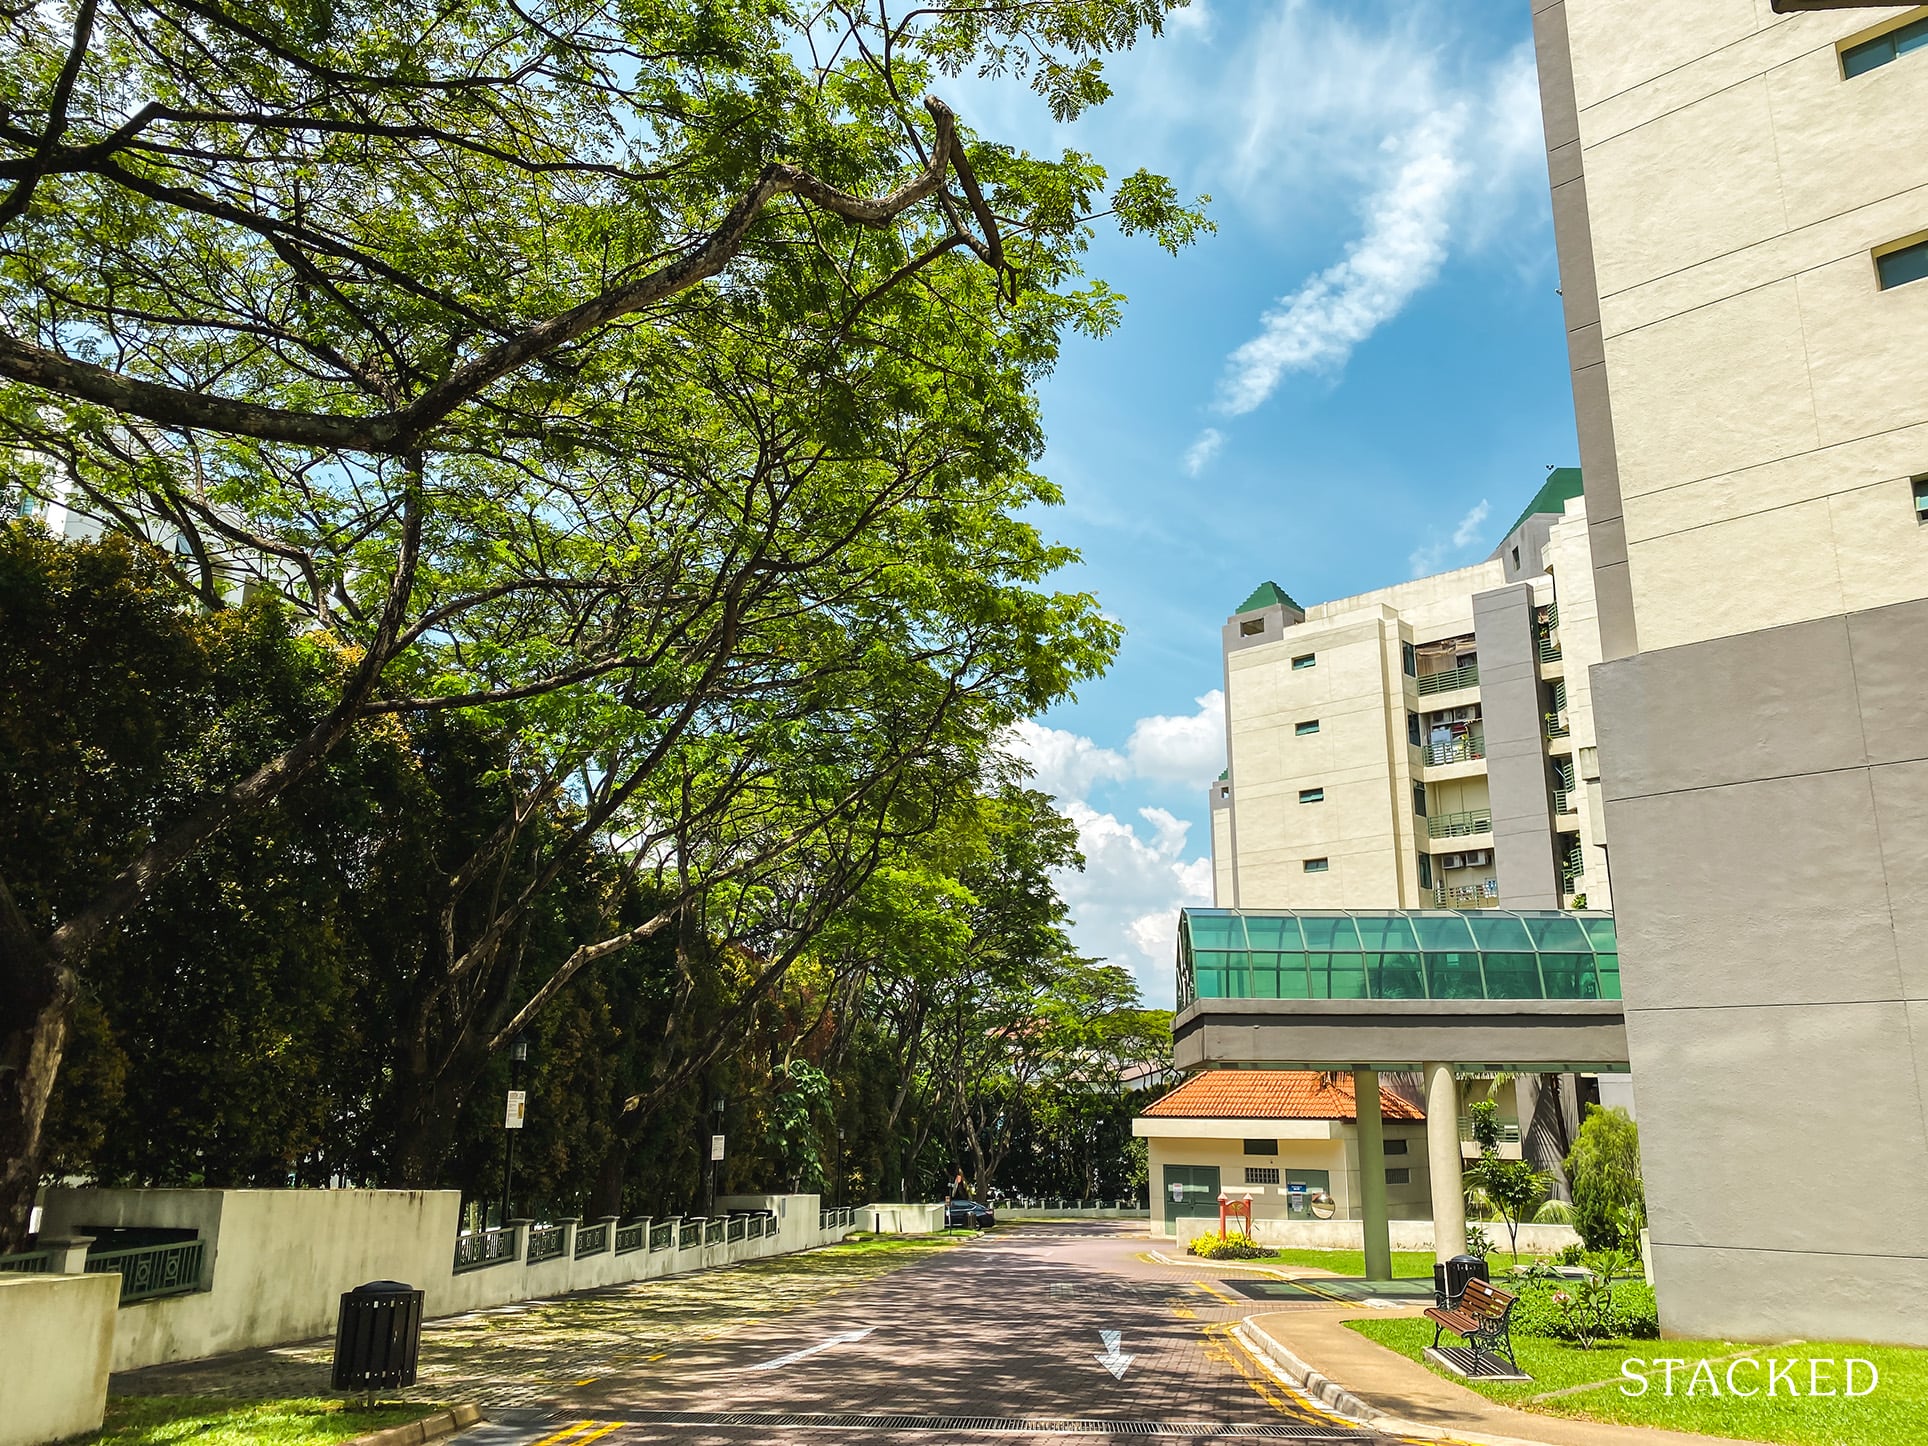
<point>1870,54</point>
<point>1395,1147</point>
<point>1412,729</point>
<point>1399,1177</point>
<point>1262,1147</point>
<point>1921,500</point>
<point>1902,265</point>
<point>1425,871</point>
<point>1305,726</point>
<point>1261,1174</point>
<point>1251,627</point>
<point>1409,659</point>
<point>1305,660</point>
<point>1317,866</point>
<point>1419,799</point>
<point>1312,795</point>
<point>1516,559</point>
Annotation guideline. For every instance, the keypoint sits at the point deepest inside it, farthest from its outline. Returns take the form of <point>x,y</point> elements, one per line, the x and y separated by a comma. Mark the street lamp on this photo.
<point>717,1106</point>
<point>512,1118</point>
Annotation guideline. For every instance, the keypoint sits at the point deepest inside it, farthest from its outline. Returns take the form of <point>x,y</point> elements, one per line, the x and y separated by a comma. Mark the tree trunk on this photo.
<point>36,997</point>
<point>606,1196</point>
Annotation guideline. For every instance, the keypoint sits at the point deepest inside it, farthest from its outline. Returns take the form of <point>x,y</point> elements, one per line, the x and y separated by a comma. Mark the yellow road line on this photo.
<point>1302,1402</point>
<point>1210,1289</point>
<point>598,1435</point>
<point>1184,1312</point>
<point>1217,1348</point>
<point>587,1381</point>
<point>565,1433</point>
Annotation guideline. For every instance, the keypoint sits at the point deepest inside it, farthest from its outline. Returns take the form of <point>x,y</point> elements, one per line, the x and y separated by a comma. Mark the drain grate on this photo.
<point>998,1425</point>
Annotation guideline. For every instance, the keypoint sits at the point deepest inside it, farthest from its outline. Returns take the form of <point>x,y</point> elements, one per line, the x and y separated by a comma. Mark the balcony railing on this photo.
<point>1509,1130</point>
<point>148,1272</point>
<point>1564,801</point>
<point>545,1243</point>
<point>1549,649</point>
<point>1464,896</point>
<point>1464,676</point>
<point>1556,725</point>
<point>1463,749</point>
<point>484,1247</point>
<point>1458,825</point>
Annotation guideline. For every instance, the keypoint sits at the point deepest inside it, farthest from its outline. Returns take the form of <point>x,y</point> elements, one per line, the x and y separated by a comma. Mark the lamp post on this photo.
<point>717,1107</point>
<point>512,1119</point>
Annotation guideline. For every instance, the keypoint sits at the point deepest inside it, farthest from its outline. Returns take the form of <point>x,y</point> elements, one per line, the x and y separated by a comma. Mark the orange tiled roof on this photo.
<point>1273,1094</point>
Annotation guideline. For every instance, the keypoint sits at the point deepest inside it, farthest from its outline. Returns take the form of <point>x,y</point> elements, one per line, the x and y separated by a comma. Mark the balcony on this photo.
<point>1460,825</point>
<point>1556,724</point>
<point>1564,800</point>
<point>1466,675</point>
<point>1549,649</point>
<point>1464,896</point>
<point>1466,748</point>
<point>1509,1130</point>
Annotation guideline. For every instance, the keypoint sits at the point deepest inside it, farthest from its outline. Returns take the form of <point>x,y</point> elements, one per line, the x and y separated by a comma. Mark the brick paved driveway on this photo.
<point>1031,1334</point>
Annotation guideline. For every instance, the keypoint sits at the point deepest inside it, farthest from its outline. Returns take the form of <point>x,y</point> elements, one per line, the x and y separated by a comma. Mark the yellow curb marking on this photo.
<point>1304,1402</point>
<point>1212,1290</point>
<point>1217,1348</point>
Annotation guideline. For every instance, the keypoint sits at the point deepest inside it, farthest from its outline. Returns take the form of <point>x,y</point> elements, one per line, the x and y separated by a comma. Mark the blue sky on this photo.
<point>1361,378</point>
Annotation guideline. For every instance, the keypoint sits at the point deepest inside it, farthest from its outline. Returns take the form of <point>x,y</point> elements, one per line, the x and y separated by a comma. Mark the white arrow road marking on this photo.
<point>1111,1360</point>
<point>837,1340</point>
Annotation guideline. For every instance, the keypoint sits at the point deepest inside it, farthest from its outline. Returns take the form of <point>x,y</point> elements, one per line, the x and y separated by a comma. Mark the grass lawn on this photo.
<point>209,1421</point>
<point>1406,1264</point>
<point>1894,1412</point>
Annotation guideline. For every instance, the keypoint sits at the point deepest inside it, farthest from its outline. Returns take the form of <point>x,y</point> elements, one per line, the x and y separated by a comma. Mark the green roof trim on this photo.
<point>1265,595</point>
<point>1562,485</point>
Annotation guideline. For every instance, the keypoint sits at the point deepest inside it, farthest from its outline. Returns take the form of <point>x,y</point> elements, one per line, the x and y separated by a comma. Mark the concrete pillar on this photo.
<point>1443,1162</point>
<point>1372,1175</point>
<point>69,1253</point>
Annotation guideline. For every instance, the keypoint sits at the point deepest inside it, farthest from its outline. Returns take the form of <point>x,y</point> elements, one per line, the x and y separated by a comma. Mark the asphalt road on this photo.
<point>1044,1333</point>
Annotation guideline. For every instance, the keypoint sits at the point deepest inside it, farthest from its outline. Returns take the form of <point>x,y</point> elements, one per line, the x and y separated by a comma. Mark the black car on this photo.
<point>968,1215</point>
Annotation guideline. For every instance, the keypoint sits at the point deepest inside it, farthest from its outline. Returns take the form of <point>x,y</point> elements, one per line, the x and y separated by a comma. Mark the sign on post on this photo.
<point>716,1147</point>
<point>518,1107</point>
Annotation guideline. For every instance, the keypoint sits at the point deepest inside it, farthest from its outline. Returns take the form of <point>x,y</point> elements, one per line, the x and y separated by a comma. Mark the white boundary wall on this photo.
<point>276,1262</point>
<point>56,1340</point>
<point>1351,1234</point>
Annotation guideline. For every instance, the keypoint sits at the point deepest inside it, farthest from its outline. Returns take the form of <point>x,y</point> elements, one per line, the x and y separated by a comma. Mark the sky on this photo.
<point>1361,378</point>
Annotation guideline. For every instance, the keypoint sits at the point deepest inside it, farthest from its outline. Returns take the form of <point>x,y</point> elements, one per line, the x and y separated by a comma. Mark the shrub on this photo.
<point>1539,1313</point>
<point>1554,1212</point>
<point>1604,1168</point>
<point>1569,1254</point>
<point>1234,1245</point>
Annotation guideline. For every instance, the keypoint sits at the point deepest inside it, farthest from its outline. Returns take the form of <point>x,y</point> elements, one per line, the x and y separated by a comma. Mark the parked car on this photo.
<point>968,1215</point>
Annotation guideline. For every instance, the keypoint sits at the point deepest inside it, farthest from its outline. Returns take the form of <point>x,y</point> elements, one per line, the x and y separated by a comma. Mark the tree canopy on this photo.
<point>648,386</point>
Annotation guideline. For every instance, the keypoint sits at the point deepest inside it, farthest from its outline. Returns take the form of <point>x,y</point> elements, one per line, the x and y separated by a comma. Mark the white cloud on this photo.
<point>1188,749</point>
<point>1203,450</point>
<point>1402,250</point>
<point>1436,554</point>
<point>1467,533</point>
<point>1136,879</point>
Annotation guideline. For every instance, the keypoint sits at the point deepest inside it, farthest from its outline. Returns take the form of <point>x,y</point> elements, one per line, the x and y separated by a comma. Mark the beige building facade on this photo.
<point>1427,745</point>
<point>1741,207</point>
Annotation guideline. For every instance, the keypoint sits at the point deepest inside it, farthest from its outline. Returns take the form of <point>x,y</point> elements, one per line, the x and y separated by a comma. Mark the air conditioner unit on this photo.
<point>1479,857</point>
<point>1465,715</point>
<point>1453,861</point>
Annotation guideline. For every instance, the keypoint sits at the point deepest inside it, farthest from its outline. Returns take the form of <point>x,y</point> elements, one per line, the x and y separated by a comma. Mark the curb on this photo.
<point>429,1428</point>
<point>1321,1390</point>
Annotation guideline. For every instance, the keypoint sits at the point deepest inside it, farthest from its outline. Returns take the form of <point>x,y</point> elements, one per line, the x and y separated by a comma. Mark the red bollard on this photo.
<point>1224,1202</point>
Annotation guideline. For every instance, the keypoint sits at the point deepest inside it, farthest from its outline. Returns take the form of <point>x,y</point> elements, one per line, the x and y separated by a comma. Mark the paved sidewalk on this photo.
<point>538,1351</point>
<point>1409,1400</point>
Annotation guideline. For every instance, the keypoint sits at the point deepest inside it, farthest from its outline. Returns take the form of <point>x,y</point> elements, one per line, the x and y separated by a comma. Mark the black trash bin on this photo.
<point>377,1336</point>
<point>1450,1277</point>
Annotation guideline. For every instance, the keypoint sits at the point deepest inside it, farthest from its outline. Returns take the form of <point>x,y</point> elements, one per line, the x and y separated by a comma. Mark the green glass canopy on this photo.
<point>1396,954</point>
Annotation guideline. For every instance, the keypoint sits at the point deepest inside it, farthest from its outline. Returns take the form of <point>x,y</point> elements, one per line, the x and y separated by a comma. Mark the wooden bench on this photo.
<point>1480,1316</point>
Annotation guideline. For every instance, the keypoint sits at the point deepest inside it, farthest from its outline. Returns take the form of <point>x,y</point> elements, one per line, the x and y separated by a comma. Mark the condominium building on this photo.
<point>1427,745</point>
<point>1740,200</point>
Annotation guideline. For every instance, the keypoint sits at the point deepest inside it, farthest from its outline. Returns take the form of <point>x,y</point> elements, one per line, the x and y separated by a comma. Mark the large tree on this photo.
<point>654,380</point>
